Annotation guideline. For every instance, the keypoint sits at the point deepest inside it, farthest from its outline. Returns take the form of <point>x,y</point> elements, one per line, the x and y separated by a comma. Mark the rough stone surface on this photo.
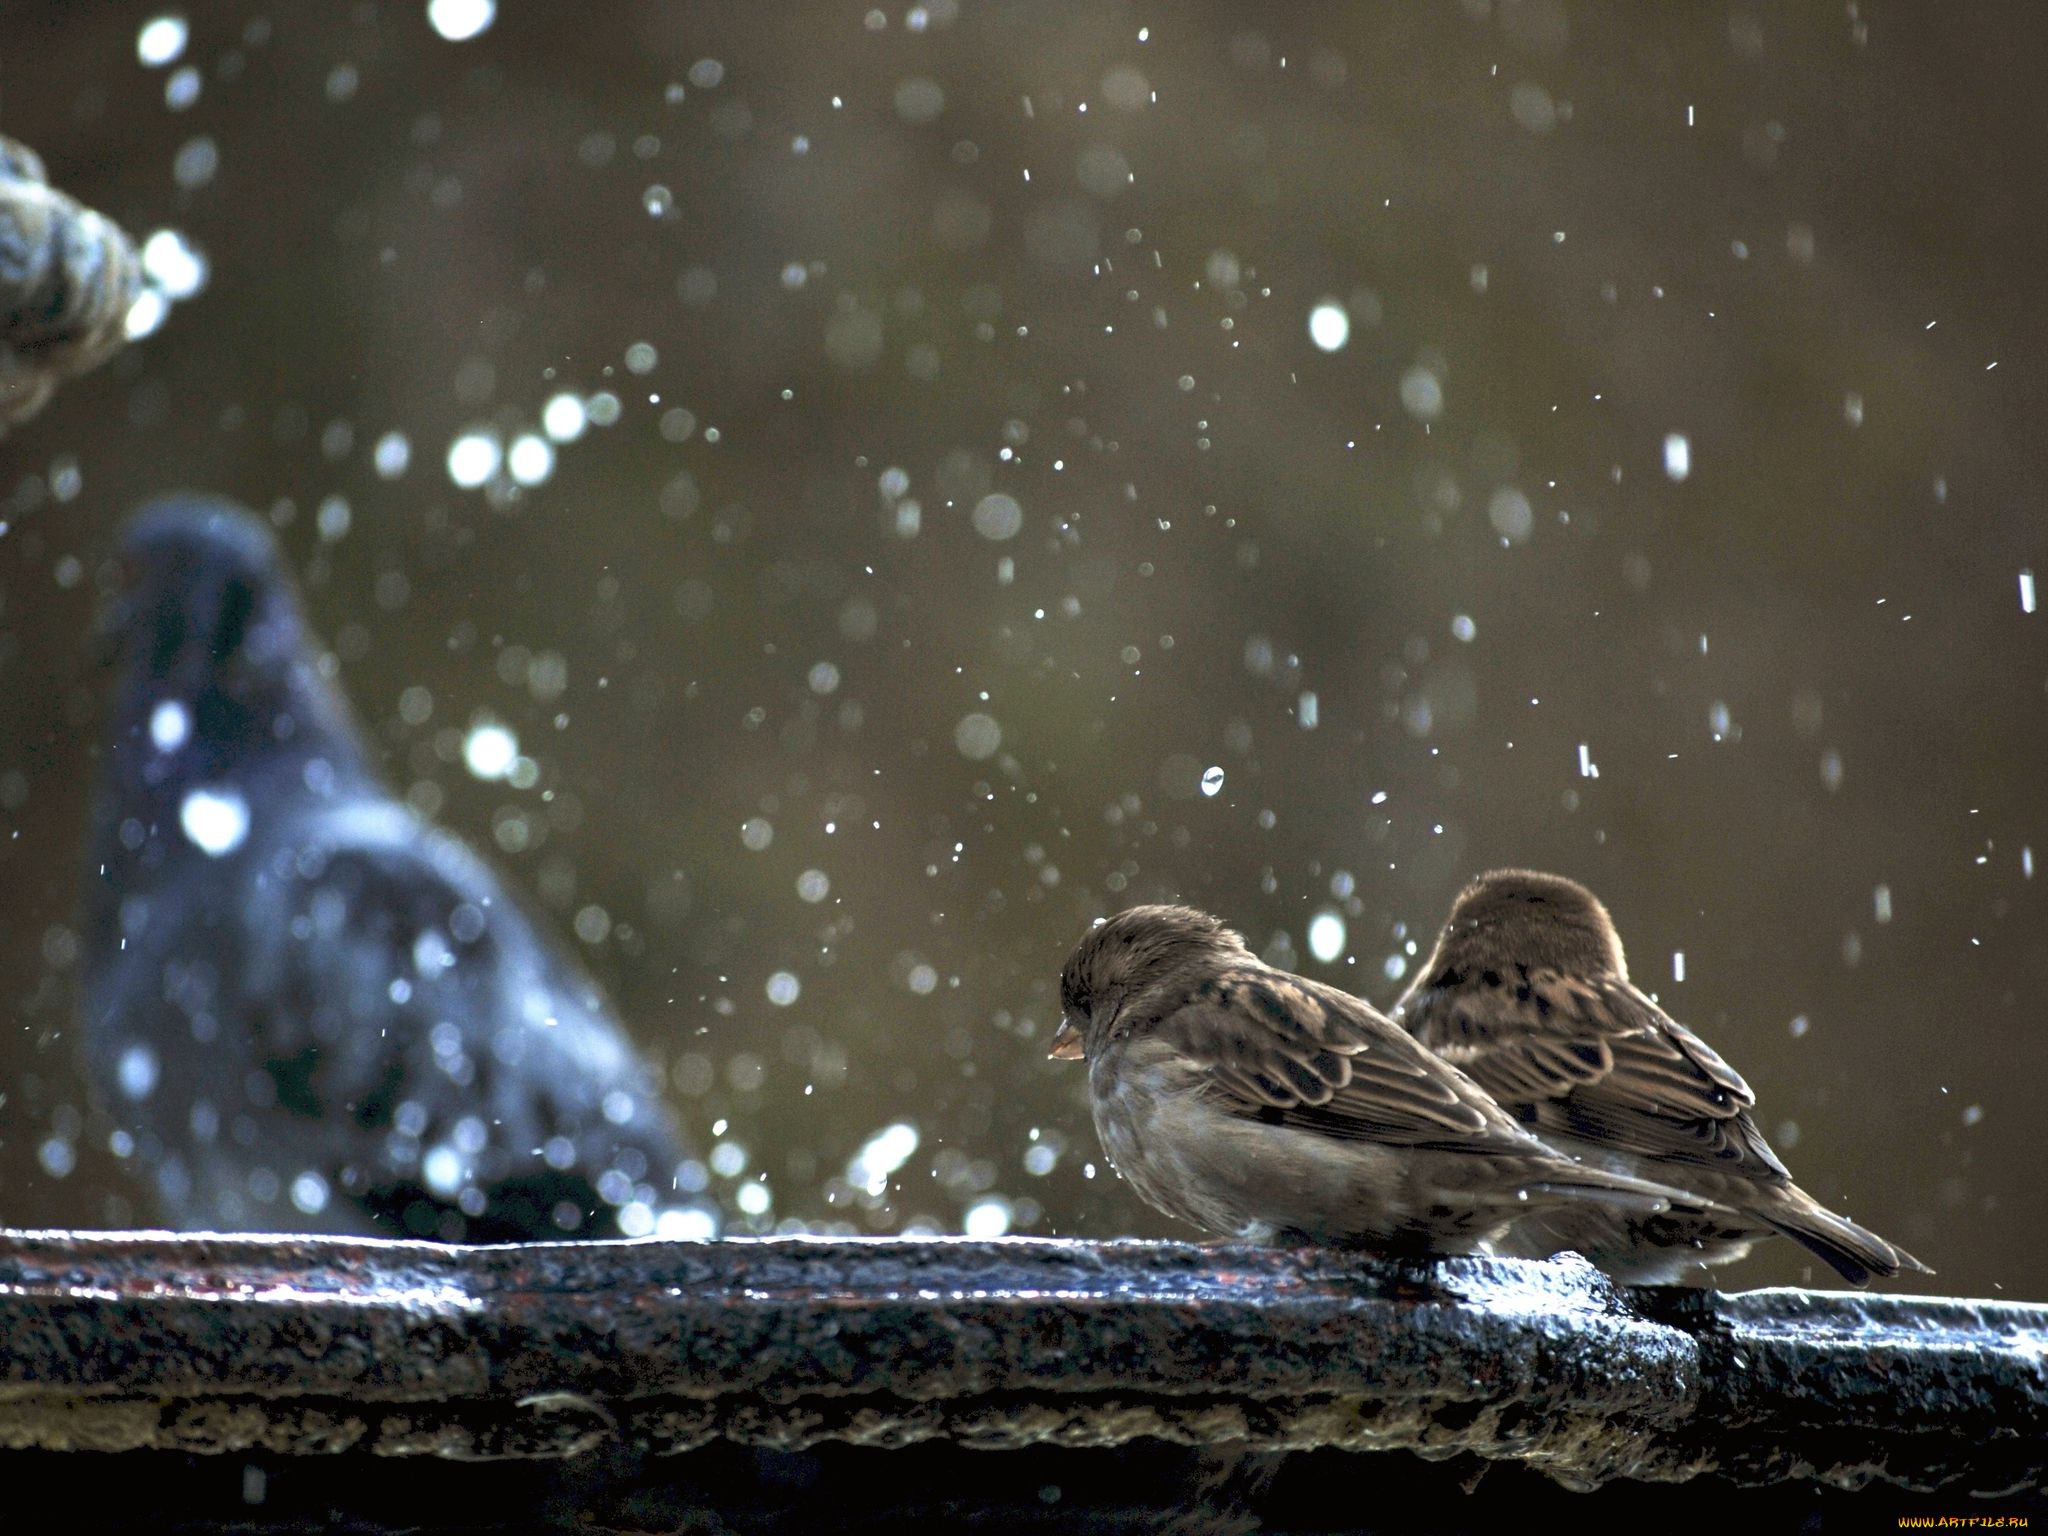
<point>309,1347</point>
<point>68,278</point>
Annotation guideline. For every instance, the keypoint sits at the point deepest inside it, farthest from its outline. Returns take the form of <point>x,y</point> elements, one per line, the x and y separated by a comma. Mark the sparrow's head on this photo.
<point>1513,917</point>
<point>211,647</point>
<point>1121,957</point>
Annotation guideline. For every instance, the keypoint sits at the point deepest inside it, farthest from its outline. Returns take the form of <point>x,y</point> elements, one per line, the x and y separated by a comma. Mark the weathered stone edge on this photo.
<point>300,1346</point>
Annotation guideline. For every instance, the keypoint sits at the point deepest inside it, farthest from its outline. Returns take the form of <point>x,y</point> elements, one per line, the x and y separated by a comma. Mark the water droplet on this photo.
<point>460,20</point>
<point>182,89</point>
<point>1422,394</point>
<point>688,1224</point>
<point>1212,780</point>
<point>173,265</point>
<point>490,750</point>
<point>146,315</point>
<point>392,455</point>
<point>1329,326</point>
<point>531,459</point>
<point>987,1218</point>
<point>442,1168</point>
<point>170,725</point>
<point>1511,515</point>
<point>919,100</point>
<point>977,736</point>
<point>216,820</point>
<point>998,516</point>
<point>1533,107</point>
<point>473,458</point>
<point>332,519</point>
<point>161,40</point>
<point>564,418</point>
<point>137,1072</point>
<point>1326,936</point>
<point>196,162</point>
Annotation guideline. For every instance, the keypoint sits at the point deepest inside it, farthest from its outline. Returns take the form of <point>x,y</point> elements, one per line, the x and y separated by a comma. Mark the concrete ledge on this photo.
<point>129,1343</point>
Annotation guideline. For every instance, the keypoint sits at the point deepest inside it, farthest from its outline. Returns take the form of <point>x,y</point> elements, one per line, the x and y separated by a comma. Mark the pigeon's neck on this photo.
<point>209,778</point>
<point>262,733</point>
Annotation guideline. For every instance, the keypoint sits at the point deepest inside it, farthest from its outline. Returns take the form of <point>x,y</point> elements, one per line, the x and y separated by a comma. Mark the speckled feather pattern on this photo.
<point>1258,1104</point>
<point>1527,992</point>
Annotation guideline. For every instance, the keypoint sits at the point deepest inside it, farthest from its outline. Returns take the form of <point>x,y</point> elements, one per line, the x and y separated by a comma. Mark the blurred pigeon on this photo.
<point>314,1012</point>
<point>1527,992</point>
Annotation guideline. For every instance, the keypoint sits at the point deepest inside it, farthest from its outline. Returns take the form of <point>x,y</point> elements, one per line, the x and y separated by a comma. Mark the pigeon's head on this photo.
<point>206,594</point>
<point>1120,958</point>
<point>213,654</point>
<point>1510,917</point>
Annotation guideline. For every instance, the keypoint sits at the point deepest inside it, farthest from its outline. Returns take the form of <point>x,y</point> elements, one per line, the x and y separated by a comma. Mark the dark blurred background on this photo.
<point>1593,436</point>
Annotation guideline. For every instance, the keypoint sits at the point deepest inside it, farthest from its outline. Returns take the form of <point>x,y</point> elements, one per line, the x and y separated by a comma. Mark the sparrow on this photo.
<point>1527,992</point>
<point>310,1010</point>
<point>1269,1107</point>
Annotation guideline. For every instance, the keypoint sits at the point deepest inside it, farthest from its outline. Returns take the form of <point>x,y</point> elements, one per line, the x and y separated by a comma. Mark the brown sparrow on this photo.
<point>1527,992</point>
<point>1266,1106</point>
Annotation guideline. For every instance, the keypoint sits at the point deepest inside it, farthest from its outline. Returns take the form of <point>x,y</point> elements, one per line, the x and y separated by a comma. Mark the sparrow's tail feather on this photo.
<point>1855,1252</point>
<point>1631,1194</point>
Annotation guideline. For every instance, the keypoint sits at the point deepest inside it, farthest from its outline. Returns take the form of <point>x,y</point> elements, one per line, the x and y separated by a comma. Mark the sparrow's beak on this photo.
<point>1066,1043</point>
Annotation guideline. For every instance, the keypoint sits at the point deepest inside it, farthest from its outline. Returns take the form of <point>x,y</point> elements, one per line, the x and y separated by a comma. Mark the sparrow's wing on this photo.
<point>1293,1052</point>
<point>1594,1059</point>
